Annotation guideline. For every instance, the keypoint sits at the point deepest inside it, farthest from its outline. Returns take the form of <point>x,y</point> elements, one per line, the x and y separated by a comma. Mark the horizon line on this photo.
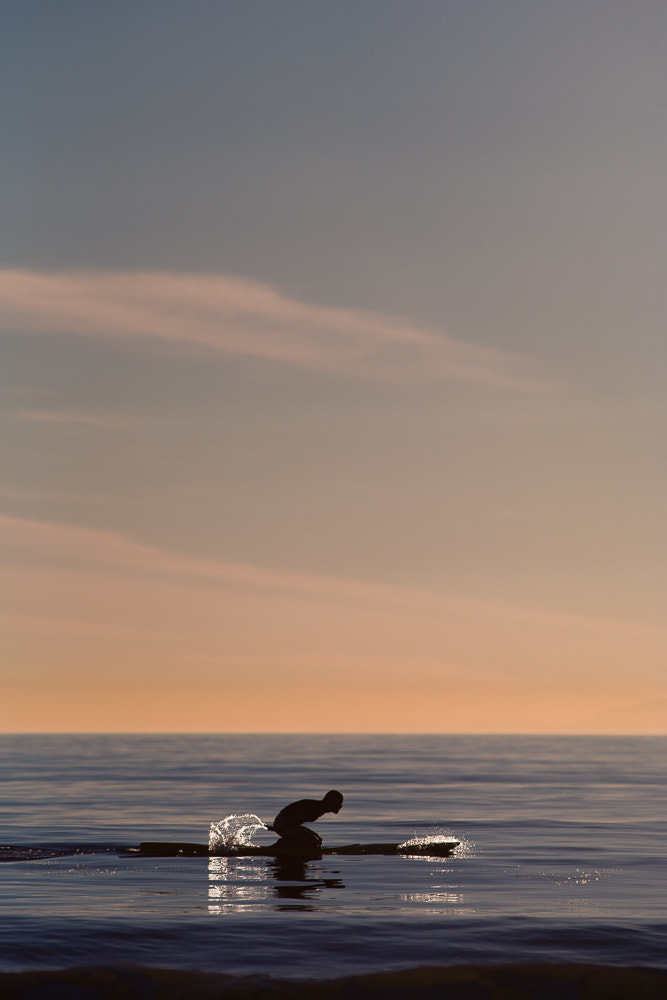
<point>332,732</point>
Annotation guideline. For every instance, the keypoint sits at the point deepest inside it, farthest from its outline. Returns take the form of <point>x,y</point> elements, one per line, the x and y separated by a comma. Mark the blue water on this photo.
<point>562,856</point>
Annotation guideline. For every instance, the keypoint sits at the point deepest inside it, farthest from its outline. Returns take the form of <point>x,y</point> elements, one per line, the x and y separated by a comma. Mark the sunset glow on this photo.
<point>333,378</point>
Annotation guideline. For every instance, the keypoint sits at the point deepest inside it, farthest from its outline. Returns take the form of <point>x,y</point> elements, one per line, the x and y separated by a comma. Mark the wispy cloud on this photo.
<point>69,418</point>
<point>228,315</point>
<point>102,632</point>
<point>62,573</point>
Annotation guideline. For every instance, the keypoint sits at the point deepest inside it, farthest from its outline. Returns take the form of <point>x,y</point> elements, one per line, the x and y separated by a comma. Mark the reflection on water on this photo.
<point>294,883</point>
<point>440,899</point>
<point>448,898</point>
<point>236,885</point>
<point>437,899</point>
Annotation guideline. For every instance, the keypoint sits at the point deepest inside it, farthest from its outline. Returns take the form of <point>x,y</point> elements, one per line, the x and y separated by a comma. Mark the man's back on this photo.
<point>303,811</point>
<point>289,821</point>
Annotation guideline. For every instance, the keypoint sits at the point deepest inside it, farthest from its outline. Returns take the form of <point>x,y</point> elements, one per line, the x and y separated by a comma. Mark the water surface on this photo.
<point>561,857</point>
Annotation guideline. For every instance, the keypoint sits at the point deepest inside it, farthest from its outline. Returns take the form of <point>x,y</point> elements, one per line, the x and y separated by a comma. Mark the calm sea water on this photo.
<point>562,856</point>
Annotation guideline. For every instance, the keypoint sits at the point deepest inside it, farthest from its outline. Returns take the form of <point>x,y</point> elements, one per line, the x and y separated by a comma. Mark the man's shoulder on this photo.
<point>301,804</point>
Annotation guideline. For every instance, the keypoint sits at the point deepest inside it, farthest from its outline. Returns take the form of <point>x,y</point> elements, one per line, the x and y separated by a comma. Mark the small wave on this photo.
<point>236,830</point>
<point>459,982</point>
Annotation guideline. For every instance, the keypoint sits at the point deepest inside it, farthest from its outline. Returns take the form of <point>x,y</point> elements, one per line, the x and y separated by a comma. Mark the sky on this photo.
<point>333,366</point>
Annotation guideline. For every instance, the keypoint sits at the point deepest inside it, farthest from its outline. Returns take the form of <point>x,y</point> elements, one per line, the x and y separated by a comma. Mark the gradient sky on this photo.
<point>334,359</point>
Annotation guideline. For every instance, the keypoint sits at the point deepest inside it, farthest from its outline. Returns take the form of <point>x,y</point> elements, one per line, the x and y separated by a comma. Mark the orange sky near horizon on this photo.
<point>104,634</point>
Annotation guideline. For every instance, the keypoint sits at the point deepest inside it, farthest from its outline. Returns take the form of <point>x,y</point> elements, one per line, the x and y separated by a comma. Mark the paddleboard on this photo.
<point>160,849</point>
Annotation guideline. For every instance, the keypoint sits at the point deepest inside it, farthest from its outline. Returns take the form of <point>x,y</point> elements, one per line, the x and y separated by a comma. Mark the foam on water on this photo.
<point>465,847</point>
<point>235,830</point>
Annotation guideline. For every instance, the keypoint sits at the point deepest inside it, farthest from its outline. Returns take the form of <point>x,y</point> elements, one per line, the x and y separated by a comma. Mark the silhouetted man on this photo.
<point>288,822</point>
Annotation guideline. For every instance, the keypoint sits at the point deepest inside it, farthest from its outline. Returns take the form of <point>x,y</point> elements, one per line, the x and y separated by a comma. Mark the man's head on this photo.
<point>332,801</point>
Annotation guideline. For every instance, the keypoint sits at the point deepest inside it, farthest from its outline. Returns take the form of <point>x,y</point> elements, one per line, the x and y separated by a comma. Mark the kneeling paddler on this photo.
<point>288,824</point>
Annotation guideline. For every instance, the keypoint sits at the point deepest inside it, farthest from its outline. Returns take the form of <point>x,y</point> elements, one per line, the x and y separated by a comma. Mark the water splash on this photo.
<point>423,840</point>
<point>233,831</point>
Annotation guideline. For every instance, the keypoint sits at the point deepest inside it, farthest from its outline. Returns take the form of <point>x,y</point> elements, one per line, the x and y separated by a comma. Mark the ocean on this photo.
<point>557,888</point>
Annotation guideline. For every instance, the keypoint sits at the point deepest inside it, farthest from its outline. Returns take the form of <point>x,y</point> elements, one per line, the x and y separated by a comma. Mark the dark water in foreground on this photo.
<point>560,875</point>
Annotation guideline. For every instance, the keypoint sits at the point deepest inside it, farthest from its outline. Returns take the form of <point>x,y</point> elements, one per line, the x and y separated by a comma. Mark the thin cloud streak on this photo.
<point>110,422</point>
<point>448,619</point>
<point>205,644</point>
<point>228,315</point>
